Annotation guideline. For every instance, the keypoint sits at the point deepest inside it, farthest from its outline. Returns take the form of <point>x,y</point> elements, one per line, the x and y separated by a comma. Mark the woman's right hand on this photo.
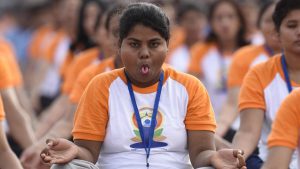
<point>59,151</point>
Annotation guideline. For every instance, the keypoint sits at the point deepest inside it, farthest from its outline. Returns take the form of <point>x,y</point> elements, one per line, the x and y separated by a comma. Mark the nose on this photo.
<point>144,53</point>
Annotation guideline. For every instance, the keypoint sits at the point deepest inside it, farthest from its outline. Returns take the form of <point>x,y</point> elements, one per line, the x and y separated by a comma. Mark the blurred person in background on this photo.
<point>8,158</point>
<point>63,127</point>
<point>211,60</point>
<point>191,17</point>
<point>243,60</point>
<point>20,130</point>
<point>90,10</point>
<point>250,10</point>
<point>53,50</point>
<point>266,86</point>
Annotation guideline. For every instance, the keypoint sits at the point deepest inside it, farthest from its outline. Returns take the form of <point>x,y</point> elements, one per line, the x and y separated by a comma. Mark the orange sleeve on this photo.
<point>83,60</point>
<point>198,52</point>
<point>1,110</point>
<point>285,129</point>
<point>238,69</point>
<point>82,81</point>
<point>91,116</point>
<point>5,74</point>
<point>66,64</point>
<point>200,114</point>
<point>252,90</point>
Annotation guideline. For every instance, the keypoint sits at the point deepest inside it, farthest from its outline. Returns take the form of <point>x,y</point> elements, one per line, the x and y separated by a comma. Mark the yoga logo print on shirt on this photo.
<point>158,137</point>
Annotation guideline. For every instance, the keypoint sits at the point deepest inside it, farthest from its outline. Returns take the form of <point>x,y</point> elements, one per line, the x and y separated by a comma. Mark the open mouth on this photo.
<point>145,69</point>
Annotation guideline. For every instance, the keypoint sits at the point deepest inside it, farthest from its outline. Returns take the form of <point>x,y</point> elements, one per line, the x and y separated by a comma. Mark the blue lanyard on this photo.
<point>147,143</point>
<point>269,50</point>
<point>286,74</point>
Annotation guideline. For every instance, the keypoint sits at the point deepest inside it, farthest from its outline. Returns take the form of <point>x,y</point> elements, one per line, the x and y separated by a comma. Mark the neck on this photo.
<point>292,60</point>
<point>144,84</point>
<point>227,46</point>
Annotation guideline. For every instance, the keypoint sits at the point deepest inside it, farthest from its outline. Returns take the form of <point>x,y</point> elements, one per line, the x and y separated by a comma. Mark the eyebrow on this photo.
<point>153,39</point>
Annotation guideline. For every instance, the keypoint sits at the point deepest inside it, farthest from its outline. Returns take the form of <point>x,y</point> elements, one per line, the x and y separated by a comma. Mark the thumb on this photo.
<point>52,142</point>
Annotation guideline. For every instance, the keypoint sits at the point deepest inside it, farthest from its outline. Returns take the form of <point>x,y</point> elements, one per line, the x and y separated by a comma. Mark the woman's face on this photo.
<point>225,22</point>
<point>90,16</point>
<point>113,34</point>
<point>143,52</point>
<point>268,28</point>
<point>289,33</point>
<point>194,24</point>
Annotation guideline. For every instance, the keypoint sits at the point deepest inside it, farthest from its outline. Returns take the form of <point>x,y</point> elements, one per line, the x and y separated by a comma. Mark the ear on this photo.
<point>276,35</point>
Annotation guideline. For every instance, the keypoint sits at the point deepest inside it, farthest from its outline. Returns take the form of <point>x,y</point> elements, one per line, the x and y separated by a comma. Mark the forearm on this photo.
<point>62,129</point>
<point>9,160</point>
<point>222,143</point>
<point>21,130</point>
<point>226,118</point>
<point>246,141</point>
<point>203,159</point>
<point>50,117</point>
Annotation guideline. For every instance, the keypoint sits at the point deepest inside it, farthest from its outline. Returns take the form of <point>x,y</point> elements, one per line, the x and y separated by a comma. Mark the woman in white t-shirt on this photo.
<point>116,124</point>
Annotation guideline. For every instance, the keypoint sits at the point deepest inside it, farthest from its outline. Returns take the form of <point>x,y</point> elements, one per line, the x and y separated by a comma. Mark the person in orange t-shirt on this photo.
<point>210,60</point>
<point>8,158</point>
<point>192,19</point>
<point>62,126</point>
<point>144,33</point>
<point>22,132</point>
<point>243,60</point>
<point>284,137</point>
<point>266,86</point>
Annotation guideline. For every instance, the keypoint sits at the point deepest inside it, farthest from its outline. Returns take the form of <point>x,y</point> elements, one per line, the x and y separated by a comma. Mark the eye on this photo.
<point>134,44</point>
<point>292,26</point>
<point>154,44</point>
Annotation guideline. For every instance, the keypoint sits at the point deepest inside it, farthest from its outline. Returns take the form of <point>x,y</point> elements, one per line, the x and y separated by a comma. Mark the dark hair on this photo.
<point>146,14</point>
<point>263,10</point>
<point>283,8</point>
<point>187,6</point>
<point>241,37</point>
<point>115,10</point>
<point>83,41</point>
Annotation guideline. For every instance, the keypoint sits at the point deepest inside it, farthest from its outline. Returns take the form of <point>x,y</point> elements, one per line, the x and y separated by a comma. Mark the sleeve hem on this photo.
<point>87,136</point>
<point>194,127</point>
<point>281,143</point>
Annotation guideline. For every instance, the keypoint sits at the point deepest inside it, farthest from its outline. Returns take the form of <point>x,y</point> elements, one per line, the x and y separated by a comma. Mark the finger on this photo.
<point>236,152</point>
<point>241,160</point>
<point>52,142</point>
<point>47,159</point>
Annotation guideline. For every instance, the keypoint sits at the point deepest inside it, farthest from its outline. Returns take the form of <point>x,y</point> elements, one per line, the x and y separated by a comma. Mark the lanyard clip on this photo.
<point>147,163</point>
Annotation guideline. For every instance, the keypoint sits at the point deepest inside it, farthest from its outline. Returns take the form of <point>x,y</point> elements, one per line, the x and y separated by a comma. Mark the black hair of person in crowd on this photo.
<point>264,7</point>
<point>241,37</point>
<point>83,41</point>
<point>282,9</point>
<point>186,6</point>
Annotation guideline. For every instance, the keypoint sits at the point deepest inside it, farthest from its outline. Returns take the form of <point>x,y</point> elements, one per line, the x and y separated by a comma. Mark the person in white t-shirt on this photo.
<point>116,124</point>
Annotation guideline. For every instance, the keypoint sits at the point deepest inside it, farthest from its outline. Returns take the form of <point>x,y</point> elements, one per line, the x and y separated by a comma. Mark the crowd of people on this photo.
<point>150,84</point>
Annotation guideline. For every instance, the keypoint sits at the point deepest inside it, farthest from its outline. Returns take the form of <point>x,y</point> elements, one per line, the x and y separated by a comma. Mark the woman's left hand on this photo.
<point>228,159</point>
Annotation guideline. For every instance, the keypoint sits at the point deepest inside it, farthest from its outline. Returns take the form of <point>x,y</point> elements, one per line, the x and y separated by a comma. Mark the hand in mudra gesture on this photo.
<point>228,159</point>
<point>59,151</point>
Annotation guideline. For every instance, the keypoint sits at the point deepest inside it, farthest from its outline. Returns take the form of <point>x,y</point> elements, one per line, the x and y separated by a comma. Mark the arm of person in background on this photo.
<point>248,135</point>
<point>229,112</point>
<point>62,129</point>
<point>38,78</point>
<point>8,158</point>
<point>25,103</point>
<point>204,154</point>
<point>18,120</point>
<point>51,115</point>
<point>278,158</point>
